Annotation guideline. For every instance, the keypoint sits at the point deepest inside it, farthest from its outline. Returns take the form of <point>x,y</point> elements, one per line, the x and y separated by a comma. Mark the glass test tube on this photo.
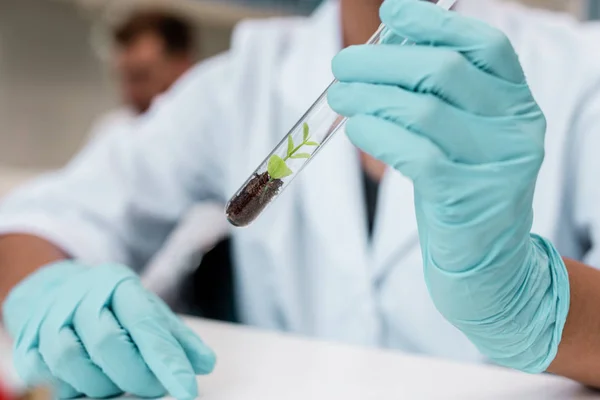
<point>293,153</point>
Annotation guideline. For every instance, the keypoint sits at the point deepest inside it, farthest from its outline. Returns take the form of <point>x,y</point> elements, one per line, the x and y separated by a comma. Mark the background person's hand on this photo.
<point>98,332</point>
<point>455,114</point>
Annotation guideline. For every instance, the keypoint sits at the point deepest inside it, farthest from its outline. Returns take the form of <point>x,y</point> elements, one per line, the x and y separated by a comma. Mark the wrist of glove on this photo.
<point>522,324</point>
<point>97,332</point>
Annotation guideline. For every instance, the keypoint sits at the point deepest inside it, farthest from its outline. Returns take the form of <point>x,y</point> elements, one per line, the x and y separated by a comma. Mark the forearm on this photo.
<point>578,355</point>
<point>20,255</point>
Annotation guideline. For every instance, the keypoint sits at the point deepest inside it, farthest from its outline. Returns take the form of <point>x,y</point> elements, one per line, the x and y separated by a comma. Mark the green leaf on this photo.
<point>277,168</point>
<point>306,131</point>
<point>301,155</point>
<point>290,145</point>
<point>311,143</point>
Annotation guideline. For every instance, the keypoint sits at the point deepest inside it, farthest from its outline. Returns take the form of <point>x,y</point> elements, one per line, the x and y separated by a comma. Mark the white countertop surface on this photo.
<point>257,365</point>
<point>268,366</point>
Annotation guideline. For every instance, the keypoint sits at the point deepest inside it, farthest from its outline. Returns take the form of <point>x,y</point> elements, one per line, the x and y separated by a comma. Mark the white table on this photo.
<point>268,366</point>
<point>256,365</point>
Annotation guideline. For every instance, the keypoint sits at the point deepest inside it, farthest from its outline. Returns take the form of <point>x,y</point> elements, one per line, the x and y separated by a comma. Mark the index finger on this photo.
<point>150,332</point>
<point>425,23</point>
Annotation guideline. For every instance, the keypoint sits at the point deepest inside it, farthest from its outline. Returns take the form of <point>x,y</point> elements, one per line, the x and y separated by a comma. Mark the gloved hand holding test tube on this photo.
<point>294,152</point>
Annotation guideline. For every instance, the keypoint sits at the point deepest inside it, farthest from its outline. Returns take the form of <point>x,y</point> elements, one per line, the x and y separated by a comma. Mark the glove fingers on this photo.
<point>413,155</point>
<point>202,358</point>
<point>32,369</point>
<point>61,349</point>
<point>111,348</point>
<point>150,332</point>
<point>426,70</point>
<point>422,114</point>
<point>425,23</point>
<point>29,363</point>
<point>68,360</point>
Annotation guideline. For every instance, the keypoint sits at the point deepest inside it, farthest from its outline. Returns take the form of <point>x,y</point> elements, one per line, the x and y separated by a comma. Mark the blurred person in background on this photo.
<point>337,256</point>
<point>151,50</point>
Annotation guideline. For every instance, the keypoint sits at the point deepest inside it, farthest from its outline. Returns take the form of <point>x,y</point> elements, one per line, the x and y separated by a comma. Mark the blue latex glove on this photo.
<point>98,332</point>
<point>455,114</point>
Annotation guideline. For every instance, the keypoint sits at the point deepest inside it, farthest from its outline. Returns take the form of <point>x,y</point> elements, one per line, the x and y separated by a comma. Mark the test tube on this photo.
<point>293,153</point>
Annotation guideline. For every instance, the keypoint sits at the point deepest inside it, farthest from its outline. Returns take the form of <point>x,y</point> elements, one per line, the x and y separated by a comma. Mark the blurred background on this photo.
<point>46,113</point>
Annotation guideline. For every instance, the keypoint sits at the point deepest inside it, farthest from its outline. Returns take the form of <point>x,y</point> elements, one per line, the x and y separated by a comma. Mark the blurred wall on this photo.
<point>51,85</point>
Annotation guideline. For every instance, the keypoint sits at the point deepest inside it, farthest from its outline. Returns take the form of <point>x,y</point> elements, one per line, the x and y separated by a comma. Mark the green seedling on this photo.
<point>277,166</point>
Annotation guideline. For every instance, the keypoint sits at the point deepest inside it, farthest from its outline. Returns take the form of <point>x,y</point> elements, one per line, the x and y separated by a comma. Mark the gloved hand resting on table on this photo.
<point>98,332</point>
<point>455,114</point>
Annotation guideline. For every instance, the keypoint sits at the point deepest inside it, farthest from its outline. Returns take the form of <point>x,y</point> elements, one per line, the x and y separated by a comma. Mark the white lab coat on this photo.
<point>197,231</point>
<point>120,121</point>
<point>306,265</point>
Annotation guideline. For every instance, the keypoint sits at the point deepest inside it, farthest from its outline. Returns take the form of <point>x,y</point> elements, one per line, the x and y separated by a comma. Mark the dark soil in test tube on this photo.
<point>252,199</point>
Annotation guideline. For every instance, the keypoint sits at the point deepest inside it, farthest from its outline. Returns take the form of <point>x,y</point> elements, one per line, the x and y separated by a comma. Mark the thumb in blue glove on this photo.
<point>455,114</point>
<point>97,332</point>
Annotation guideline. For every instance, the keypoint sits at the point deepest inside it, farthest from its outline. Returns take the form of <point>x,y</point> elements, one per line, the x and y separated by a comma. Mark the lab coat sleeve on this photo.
<point>117,122</point>
<point>122,195</point>
<point>585,183</point>
<point>198,232</point>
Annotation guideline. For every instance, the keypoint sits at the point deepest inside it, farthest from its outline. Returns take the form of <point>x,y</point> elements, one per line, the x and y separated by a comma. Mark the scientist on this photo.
<point>454,116</point>
<point>154,49</point>
<point>151,50</point>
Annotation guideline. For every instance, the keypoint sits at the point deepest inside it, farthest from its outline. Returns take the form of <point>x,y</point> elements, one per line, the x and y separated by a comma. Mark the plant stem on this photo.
<point>294,151</point>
